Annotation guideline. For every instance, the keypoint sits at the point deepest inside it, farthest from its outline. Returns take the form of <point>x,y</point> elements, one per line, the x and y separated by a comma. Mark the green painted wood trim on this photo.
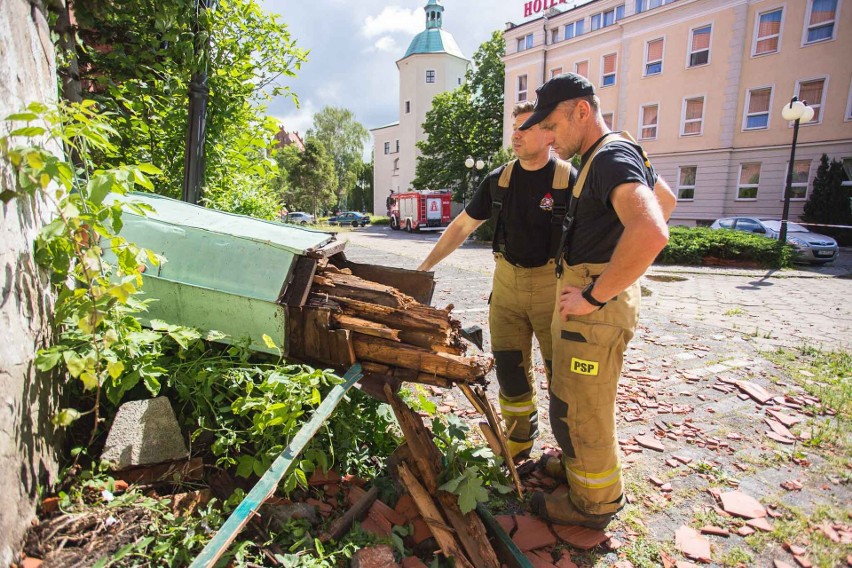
<point>267,484</point>
<point>506,549</point>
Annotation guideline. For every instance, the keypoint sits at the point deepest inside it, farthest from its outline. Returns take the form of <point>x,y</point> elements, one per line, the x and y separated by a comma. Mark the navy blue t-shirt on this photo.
<point>597,228</point>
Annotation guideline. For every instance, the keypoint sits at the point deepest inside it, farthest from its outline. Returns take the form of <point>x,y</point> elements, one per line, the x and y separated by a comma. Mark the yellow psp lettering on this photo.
<point>583,367</point>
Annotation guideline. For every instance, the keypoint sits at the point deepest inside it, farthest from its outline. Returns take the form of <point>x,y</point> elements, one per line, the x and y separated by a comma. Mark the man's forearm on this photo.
<point>455,234</point>
<point>636,251</point>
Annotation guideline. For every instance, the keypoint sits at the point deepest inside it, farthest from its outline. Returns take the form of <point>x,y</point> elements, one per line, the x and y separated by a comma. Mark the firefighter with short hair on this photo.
<point>527,199</point>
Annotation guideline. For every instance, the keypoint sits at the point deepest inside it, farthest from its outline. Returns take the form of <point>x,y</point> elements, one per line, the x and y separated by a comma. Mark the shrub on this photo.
<point>379,220</point>
<point>696,245</point>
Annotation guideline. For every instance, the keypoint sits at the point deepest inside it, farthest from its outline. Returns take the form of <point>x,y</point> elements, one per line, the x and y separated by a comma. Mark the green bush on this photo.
<point>379,220</point>
<point>701,245</point>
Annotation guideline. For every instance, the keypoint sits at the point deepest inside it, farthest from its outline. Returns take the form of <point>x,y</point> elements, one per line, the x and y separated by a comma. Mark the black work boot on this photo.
<point>560,510</point>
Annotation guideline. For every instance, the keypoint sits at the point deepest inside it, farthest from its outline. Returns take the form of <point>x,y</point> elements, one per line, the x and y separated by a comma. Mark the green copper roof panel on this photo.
<point>434,41</point>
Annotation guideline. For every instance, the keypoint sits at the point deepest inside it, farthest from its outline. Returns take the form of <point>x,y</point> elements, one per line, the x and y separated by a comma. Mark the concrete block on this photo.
<point>144,432</point>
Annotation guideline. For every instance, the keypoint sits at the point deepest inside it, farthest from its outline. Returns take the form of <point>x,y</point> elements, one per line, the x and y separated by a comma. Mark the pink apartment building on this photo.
<point>701,84</point>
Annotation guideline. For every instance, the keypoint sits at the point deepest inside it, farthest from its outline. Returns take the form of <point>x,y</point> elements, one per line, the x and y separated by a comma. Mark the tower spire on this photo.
<point>434,14</point>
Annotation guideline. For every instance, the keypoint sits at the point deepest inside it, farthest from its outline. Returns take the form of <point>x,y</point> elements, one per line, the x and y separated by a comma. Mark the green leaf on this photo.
<point>75,364</point>
<point>29,131</point>
<point>65,417</point>
<point>268,342</point>
<point>115,369</point>
<point>152,384</point>
<point>22,116</point>
<point>98,188</point>
<point>47,359</point>
<point>150,169</point>
<point>245,466</point>
<point>89,380</point>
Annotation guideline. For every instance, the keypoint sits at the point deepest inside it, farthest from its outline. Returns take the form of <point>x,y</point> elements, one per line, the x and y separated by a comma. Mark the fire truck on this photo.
<point>420,210</point>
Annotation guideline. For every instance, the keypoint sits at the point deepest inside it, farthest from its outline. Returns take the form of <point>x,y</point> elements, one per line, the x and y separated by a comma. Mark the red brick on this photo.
<point>532,533</point>
<point>380,556</point>
<point>388,513</point>
<point>406,508</point>
<point>31,562</point>
<point>49,505</point>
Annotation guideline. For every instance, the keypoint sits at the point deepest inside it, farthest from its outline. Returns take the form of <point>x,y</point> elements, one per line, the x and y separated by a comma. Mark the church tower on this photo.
<point>432,64</point>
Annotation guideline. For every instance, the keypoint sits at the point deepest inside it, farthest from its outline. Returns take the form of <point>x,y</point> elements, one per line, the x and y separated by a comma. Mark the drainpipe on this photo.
<point>544,60</point>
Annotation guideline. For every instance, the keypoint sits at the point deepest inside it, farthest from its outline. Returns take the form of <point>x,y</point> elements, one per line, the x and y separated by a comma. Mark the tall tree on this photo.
<point>135,58</point>
<point>830,203</point>
<point>465,122</point>
<point>311,179</point>
<point>344,139</point>
<point>360,197</point>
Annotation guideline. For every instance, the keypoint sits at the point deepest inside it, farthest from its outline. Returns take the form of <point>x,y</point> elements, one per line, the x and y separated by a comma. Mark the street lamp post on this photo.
<point>797,111</point>
<point>471,163</point>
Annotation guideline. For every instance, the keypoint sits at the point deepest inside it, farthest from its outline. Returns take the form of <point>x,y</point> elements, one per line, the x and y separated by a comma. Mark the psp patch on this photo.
<point>546,203</point>
<point>583,367</point>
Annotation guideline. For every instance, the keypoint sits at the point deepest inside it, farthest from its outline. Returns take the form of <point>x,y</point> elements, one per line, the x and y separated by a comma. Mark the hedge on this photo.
<point>700,245</point>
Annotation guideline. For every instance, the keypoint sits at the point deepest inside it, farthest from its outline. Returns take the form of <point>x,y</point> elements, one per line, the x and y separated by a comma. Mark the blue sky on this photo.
<point>354,46</point>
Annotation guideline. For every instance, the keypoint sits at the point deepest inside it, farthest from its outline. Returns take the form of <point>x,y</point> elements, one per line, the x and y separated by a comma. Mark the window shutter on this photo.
<point>655,50</point>
<point>609,64</point>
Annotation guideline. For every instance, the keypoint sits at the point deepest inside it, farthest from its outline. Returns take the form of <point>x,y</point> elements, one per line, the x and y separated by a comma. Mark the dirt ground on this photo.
<point>680,388</point>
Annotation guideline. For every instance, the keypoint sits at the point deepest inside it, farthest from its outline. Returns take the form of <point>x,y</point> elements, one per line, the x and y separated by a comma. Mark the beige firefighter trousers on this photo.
<point>521,306</point>
<point>587,361</point>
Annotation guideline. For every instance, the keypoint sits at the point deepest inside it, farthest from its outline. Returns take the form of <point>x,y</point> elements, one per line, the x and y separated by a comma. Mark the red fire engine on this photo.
<point>420,210</point>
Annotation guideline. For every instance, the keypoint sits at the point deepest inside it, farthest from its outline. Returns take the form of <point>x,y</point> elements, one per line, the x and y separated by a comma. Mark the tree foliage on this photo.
<point>137,58</point>
<point>465,122</point>
<point>360,196</point>
<point>829,202</point>
<point>308,178</point>
<point>343,138</point>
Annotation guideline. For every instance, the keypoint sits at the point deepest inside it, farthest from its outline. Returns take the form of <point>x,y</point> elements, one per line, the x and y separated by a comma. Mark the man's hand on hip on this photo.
<point>572,303</point>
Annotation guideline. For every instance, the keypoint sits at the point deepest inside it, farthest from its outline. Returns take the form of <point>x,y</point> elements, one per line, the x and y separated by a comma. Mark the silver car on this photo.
<point>810,247</point>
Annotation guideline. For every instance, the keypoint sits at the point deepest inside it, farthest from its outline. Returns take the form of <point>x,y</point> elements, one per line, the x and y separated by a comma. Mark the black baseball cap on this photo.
<point>562,87</point>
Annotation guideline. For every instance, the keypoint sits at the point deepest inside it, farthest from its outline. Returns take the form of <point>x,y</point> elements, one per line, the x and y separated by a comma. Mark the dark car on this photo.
<point>810,247</point>
<point>350,218</point>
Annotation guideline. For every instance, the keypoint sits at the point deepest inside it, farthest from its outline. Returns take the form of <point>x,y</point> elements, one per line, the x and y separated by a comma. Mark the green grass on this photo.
<point>827,376</point>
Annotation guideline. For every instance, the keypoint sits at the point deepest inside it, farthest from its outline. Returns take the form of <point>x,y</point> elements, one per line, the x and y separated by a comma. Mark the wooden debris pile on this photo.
<point>347,318</point>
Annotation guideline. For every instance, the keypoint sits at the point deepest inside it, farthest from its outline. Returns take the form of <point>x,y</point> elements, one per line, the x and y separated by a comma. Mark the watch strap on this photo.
<point>587,295</point>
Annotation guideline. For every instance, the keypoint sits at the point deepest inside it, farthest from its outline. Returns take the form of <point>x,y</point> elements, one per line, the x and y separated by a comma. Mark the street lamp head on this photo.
<point>468,163</point>
<point>480,164</point>
<point>808,115</point>
<point>795,110</point>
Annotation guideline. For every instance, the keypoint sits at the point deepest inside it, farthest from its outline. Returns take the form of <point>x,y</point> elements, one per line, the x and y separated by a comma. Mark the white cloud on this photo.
<point>394,19</point>
<point>385,43</point>
<point>299,120</point>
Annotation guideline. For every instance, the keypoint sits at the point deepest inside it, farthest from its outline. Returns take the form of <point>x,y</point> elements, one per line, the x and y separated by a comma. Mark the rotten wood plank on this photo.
<point>427,458</point>
<point>432,516</point>
<point>470,532</point>
<point>463,369</point>
<point>365,327</point>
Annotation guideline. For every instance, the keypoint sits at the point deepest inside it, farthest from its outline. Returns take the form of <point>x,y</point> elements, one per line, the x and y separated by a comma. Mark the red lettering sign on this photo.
<point>536,6</point>
<point>528,9</point>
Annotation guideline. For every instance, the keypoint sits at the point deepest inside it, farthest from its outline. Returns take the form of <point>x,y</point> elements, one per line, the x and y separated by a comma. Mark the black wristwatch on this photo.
<point>587,295</point>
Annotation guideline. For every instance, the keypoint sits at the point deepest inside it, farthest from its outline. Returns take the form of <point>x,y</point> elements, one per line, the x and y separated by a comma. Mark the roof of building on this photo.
<point>433,39</point>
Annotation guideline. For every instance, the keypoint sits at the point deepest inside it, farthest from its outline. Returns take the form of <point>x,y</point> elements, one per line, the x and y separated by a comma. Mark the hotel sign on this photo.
<point>535,6</point>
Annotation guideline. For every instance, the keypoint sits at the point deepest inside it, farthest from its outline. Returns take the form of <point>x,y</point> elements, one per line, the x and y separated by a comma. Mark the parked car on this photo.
<point>810,247</point>
<point>350,218</point>
<point>299,218</point>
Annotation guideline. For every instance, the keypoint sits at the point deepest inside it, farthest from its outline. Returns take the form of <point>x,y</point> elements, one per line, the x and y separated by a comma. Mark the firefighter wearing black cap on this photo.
<point>527,198</point>
<point>613,231</point>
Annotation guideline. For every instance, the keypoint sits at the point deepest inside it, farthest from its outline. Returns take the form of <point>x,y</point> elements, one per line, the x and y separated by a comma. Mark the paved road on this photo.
<point>790,307</point>
<point>701,331</point>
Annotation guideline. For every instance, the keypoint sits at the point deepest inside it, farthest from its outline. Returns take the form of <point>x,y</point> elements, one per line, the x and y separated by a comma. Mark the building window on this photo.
<point>693,117</point>
<point>801,172</point>
<point>699,52</point>
<point>749,180</point>
<point>574,29</point>
<point>607,18</point>
<point>757,108</point>
<point>554,35</point>
<point>642,5</point>
<point>821,17</point>
<point>397,146</point>
<point>387,147</point>
<point>555,71</point>
<point>407,107</point>
<point>654,57</point>
<point>525,42</point>
<point>396,166</point>
<point>813,92</point>
<point>607,118</point>
<point>608,75</point>
<point>430,75</point>
<point>522,88</point>
<point>847,173</point>
<point>767,36</point>
<point>849,104</point>
<point>582,68</point>
<point>686,183</point>
<point>648,126</point>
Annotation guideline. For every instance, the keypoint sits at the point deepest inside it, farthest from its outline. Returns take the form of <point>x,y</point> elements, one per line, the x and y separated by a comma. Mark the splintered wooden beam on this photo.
<point>470,531</point>
<point>342,524</point>
<point>365,327</point>
<point>426,456</point>
<point>432,516</point>
<point>428,320</point>
<point>462,369</point>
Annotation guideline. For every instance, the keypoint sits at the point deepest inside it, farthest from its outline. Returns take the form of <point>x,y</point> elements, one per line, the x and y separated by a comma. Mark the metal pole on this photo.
<point>786,212</point>
<point>199,92</point>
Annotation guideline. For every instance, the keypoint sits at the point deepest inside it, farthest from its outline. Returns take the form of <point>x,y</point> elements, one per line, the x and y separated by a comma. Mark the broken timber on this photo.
<point>344,318</point>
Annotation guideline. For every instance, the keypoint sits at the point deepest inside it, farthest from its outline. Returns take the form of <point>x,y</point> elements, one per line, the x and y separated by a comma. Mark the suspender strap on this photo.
<point>561,187</point>
<point>568,221</point>
<point>498,192</point>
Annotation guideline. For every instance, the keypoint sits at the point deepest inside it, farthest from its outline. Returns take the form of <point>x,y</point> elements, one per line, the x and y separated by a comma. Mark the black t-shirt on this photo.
<point>526,212</point>
<point>596,226</point>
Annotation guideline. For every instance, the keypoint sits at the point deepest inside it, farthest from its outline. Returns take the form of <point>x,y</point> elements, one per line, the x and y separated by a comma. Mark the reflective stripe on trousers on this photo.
<point>521,307</point>
<point>588,355</point>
